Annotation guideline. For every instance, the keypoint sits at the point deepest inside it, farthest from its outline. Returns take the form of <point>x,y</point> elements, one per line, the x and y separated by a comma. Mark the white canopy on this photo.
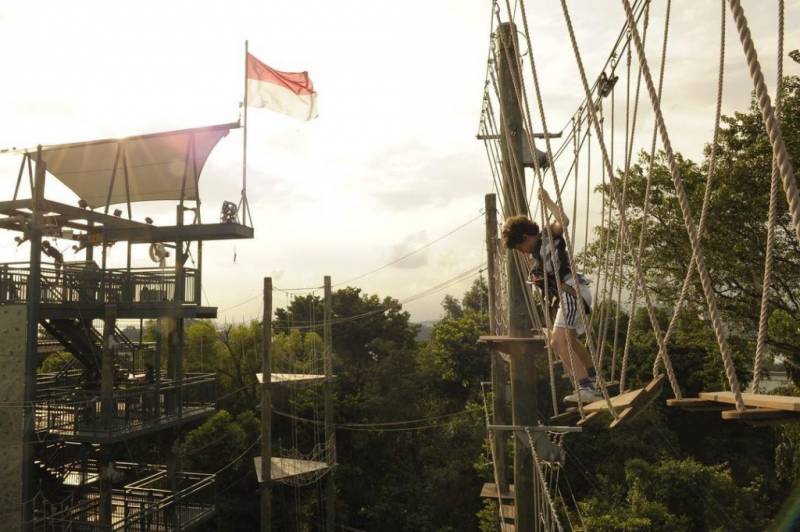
<point>144,168</point>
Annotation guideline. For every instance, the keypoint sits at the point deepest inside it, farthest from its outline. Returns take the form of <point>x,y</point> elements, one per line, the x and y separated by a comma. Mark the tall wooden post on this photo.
<point>31,340</point>
<point>523,374</point>
<point>266,409</point>
<point>499,371</point>
<point>330,433</point>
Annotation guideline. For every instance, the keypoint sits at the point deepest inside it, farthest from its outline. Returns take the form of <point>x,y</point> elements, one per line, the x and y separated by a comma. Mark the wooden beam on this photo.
<point>695,404</point>
<point>149,233</point>
<point>515,346</point>
<point>762,416</point>
<point>489,491</point>
<point>756,400</point>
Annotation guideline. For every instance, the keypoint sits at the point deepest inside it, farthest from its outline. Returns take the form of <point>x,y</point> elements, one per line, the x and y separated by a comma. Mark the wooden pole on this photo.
<point>266,409</point>
<point>499,371</point>
<point>31,347</point>
<point>330,431</point>
<point>523,373</point>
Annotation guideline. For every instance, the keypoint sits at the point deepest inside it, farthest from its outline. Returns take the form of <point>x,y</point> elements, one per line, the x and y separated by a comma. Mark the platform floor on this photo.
<point>293,378</point>
<point>283,468</point>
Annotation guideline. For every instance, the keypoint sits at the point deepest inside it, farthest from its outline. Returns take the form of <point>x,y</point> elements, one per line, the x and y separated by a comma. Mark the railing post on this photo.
<point>3,282</point>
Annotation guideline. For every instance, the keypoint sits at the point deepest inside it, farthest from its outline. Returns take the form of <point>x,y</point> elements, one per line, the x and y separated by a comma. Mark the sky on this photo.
<point>392,162</point>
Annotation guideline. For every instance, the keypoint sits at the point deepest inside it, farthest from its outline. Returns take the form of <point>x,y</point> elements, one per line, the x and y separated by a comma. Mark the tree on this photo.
<point>675,495</point>
<point>735,236</point>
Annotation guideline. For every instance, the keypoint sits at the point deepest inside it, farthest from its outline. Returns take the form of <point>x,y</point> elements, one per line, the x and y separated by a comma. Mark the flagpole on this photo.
<point>245,207</point>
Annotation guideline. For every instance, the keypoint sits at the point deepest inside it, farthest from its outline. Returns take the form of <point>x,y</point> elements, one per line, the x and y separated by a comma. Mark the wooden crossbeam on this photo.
<point>756,400</point>
<point>515,346</point>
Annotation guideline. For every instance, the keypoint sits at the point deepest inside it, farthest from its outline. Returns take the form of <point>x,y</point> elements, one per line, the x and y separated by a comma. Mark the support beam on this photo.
<point>330,434</point>
<point>266,409</point>
<point>107,413</point>
<point>31,352</point>
<point>499,372</point>
<point>523,374</point>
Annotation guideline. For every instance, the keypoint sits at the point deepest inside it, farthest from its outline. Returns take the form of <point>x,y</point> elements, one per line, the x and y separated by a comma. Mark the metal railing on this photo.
<point>74,411</point>
<point>86,284</point>
<point>146,505</point>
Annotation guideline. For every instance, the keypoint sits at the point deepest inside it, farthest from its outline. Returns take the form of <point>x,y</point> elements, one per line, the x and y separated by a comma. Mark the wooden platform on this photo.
<point>489,491</point>
<point>516,346</point>
<point>761,409</point>
<point>283,468</point>
<point>628,405</point>
<point>298,379</point>
<point>756,400</point>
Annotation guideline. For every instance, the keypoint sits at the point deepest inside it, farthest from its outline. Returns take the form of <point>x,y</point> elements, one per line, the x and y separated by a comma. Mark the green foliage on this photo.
<point>674,495</point>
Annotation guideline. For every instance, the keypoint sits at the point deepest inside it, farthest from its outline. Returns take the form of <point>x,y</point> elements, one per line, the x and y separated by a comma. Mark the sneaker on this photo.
<point>586,394</point>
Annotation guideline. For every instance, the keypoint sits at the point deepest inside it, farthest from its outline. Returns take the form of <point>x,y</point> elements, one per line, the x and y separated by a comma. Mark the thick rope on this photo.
<point>646,208</point>
<point>712,167</point>
<point>607,164</point>
<point>774,190</point>
<point>551,516</point>
<point>768,115</point>
<point>629,136</point>
<point>688,220</point>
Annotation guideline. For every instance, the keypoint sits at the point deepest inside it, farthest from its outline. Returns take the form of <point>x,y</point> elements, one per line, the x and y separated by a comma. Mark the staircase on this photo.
<point>78,337</point>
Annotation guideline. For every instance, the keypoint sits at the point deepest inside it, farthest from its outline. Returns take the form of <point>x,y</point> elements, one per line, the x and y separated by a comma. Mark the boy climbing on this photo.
<point>548,250</point>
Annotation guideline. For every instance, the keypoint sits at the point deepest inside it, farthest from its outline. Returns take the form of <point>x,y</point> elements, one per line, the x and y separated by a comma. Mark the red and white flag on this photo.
<point>290,93</point>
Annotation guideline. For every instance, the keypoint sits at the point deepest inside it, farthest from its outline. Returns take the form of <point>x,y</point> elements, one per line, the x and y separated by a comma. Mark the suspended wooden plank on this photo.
<point>489,491</point>
<point>567,417</point>
<point>762,416</point>
<point>507,511</point>
<point>756,400</point>
<point>694,404</point>
<point>628,405</point>
<point>293,378</point>
<point>283,468</point>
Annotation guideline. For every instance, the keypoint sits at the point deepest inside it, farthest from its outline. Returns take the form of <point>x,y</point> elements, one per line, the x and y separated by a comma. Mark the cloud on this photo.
<point>409,244</point>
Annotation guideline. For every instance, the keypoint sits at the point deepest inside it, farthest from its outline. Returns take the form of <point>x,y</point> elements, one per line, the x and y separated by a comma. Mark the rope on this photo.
<point>552,516</point>
<point>688,220</point>
<point>779,152</point>
<point>607,164</point>
<point>774,190</point>
<point>646,206</point>
<point>712,167</point>
<point>629,136</point>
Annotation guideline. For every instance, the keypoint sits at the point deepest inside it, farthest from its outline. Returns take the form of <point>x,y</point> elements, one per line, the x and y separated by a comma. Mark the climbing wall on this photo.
<point>12,389</point>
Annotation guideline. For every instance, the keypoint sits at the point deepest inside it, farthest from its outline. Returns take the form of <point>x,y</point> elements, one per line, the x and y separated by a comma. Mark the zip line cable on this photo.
<point>361,276</point>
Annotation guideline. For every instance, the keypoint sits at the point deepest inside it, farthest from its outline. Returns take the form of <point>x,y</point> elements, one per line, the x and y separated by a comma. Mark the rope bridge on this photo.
<point>512,82</point>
